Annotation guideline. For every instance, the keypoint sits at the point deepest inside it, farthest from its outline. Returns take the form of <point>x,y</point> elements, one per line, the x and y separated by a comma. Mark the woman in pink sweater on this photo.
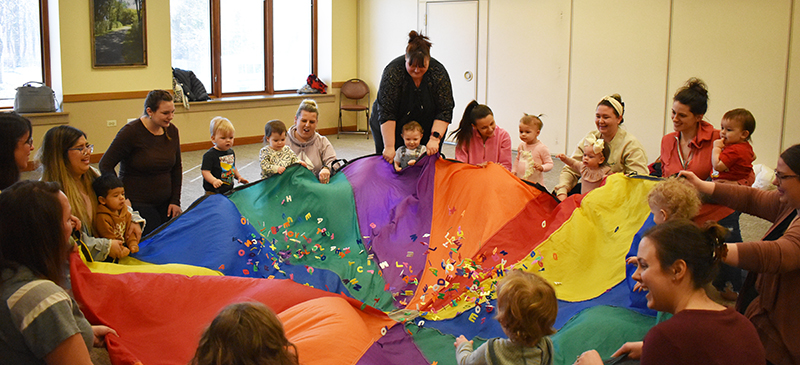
<point>479,140</point>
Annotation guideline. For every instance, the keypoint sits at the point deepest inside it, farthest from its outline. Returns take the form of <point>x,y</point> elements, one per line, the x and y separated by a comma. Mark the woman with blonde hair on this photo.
<point>65,158</point>
<point>309,146</point>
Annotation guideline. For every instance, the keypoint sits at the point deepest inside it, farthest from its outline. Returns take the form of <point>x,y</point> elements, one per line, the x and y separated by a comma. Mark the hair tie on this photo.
<point>615,103</point>
<point>596,144</point>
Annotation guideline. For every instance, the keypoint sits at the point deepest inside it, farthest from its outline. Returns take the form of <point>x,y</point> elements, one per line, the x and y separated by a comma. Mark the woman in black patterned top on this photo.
<point>414,87</point>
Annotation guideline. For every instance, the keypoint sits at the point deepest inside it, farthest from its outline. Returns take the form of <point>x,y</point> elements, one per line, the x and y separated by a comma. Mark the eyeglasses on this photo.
<point>83,149</point>
<point>780,177</point>
<point>29,142</point>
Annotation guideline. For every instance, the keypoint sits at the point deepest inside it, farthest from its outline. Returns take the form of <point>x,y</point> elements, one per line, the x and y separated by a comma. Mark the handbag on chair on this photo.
<point>35,99</point>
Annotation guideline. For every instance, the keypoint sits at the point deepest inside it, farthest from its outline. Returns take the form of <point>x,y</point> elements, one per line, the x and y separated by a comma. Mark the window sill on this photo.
<point>54,118</point>
<point>254,101</point>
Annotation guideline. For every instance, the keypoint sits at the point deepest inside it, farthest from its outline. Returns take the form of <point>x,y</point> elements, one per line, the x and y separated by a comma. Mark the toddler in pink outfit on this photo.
<point>533,157</point>
<point>593,167</point>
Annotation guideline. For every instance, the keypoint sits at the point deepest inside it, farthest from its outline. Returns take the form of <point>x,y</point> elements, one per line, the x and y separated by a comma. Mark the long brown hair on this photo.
<point>31,221</point>
<point>12,127</point>
<point>245,334</point>
<point>55,167</point>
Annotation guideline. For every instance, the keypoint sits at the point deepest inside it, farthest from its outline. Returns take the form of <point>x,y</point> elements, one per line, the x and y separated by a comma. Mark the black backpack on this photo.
<point>193,88</point>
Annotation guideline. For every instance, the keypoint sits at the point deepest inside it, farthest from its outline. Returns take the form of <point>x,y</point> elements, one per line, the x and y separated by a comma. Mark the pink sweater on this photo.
<point>496,149</point>
<point>526,155</point>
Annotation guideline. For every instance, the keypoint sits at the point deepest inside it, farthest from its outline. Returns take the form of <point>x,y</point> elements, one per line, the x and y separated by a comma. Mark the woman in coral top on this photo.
<point>690,146</point>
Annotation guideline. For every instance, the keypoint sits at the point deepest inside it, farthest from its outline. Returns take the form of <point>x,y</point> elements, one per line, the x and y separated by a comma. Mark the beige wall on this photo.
<point>540,82</point>
<point>79,77</point>
<point>564,56</point>
<point>743,62</point>
<point>560,57</point>
<point>791,117</point>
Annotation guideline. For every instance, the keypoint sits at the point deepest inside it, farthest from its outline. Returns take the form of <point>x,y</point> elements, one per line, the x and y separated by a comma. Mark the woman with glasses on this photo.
<point>65,157</point>
<point>15,140</point>
<point>148,151</point>
<point>770,296</point>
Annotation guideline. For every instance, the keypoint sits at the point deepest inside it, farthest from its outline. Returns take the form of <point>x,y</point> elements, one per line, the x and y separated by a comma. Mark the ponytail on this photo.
<point>472,112</point>
<point>702,249</point>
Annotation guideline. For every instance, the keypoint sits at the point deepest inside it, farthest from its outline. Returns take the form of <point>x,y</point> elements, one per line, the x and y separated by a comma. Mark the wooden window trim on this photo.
<point>44,18</point>
<point>44,44</point>
<point>216,51</point>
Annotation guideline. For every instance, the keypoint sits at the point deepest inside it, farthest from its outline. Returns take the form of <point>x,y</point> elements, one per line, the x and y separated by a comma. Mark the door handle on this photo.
<point>468,75</point>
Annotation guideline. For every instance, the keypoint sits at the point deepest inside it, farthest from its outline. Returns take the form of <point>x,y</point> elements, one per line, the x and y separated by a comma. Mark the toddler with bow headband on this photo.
<point>593,167</point>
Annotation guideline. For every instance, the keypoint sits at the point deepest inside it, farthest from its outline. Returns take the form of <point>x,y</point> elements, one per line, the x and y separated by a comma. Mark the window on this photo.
<point>23,47</point>
<point>244,47</point>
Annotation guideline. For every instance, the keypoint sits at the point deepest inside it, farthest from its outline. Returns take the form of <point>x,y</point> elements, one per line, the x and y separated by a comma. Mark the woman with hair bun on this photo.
<point>769,296</point>
<point>626,154</point>
<point>414,87</point>
<point>690,146</point>
<point>676,260</point>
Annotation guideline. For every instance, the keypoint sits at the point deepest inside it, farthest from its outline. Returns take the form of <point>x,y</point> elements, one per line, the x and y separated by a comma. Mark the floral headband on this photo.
<point>615,103</point>
<point>596,144</point>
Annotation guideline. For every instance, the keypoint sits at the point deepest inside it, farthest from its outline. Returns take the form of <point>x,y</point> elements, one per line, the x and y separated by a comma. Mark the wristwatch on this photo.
<point>436,135</point>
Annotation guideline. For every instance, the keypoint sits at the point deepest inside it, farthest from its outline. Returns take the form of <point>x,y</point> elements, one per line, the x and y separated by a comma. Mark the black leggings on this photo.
<point>155,216</point>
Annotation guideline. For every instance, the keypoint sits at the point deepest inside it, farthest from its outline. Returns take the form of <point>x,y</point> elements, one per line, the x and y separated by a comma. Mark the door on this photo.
<point>452,27</point>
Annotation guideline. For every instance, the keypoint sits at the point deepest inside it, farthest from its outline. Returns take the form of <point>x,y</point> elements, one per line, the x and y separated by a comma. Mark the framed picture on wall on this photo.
<point>119,33</point>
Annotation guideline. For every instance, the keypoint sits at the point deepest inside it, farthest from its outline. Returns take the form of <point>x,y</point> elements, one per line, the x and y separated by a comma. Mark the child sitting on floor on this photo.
<point>112,218</point>
<point>479,140</point>
<point>732,157</point>
<point>533,157</point>
<point>594,165</point>
<point>219,162</point>
<point>276,156</point>
<point>412,151</point>
<point>245,333</point>
<point>526,309</point>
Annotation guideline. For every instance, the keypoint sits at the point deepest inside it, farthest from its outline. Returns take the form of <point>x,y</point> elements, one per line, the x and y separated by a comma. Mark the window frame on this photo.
<point>216,51</point>
<point>44,40</point>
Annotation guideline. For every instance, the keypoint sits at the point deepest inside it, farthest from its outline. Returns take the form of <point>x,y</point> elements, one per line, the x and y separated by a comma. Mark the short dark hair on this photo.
<point>104,183</point>
<point>31,220</point>
<point>273,126</point>
<point>701,248</point>
<point>744,117</point>
<point>12,127</point>
<point>791,157</point>
<point>693,94</point>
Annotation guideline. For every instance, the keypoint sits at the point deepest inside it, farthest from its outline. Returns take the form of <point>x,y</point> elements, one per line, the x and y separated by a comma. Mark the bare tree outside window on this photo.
<point>20,46</point>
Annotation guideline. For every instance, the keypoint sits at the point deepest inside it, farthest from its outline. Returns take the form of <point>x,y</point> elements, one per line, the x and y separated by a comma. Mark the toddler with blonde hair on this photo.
<point>526,309</point>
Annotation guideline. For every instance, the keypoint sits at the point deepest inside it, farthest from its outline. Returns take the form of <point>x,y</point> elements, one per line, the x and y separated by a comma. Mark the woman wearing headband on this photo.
<point>626,154</point>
